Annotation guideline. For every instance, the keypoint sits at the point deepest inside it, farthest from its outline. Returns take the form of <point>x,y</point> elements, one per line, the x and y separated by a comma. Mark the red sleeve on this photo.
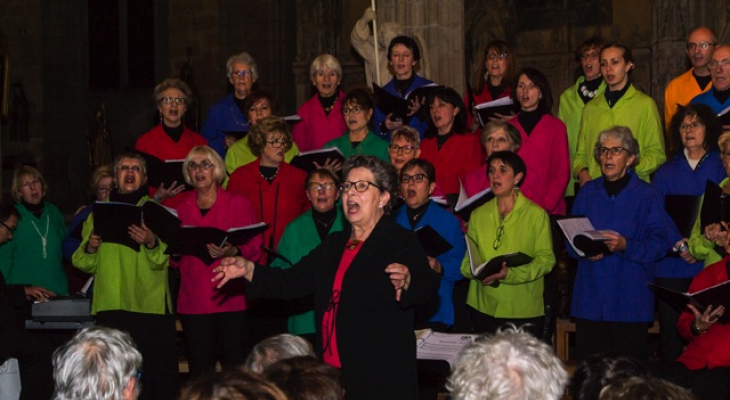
<point>560,167</point>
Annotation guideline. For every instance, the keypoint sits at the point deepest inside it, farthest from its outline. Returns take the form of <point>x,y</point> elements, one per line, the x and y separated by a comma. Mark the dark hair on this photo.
<point>450,96</point>
<point>627,56</point>
<point>322,172</point>
<point>254,97</point>
<point>594,42</point>
<point>705,116</point>
<point>511,160</point>
<point>383,172</point>
<point>405,41</point>
<point>598,371</point>
<point>425,166</point>
<point>306,378</point>
<point>234,384</point>
<point>361,97</point>
<point>502,47</point>
<point>7,211</point>
<point>545,104</point>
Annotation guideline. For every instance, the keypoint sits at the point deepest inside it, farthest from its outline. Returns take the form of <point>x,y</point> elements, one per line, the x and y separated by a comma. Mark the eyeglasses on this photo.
<point>417,178</point>
<point>494,141</point>
<point>180,101</point>
<point>693,125</point>
<point>241,74</point>
<point>494,56</point>
<point>278,143</point>
<point>701,45</point>
<point>354,110</point>
<point>30,184</point>
<point>11,230</point>
<point>714,63</point>
<point>316,186</point>
<point>204,165</point>
<point>131,168</point>
<point>614,151</point>
<point>360,186</point>
<point>103,189</point>
<point>589,56</point>
<point>395,149</point>
<point>498,239</point>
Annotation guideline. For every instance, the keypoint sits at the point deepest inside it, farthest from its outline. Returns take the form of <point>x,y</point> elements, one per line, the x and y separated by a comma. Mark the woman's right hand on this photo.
<point>232,268</point>
<point>93,244</point>
<point>703,321</point>
<point>716,235</point>
<point>390,124</point>
<point>331,164</point>
<point>38,293</point>
<point>685,255</point>
<point>496,277</point>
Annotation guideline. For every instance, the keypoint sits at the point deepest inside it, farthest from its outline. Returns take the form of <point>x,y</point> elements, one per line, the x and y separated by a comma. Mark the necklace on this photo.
<point>44,239</point>
<point>272,176</point>
<point>352,244</point>
<point>588,93</point>
<point>325,224</point>
<point>415,217</point>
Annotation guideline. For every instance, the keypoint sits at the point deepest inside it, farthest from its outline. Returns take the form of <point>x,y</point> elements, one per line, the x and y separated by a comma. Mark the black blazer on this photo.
<point>374,332</point>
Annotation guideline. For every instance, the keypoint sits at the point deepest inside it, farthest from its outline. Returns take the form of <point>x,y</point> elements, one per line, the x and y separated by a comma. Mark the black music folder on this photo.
<point>159,171</point>
<point>465,205</point>
<point>433,243</point>
<point>585,240</point>
<point>193,240</point>
<point>683,209</point>
<point>390,104</point>
<point>306,160</point>
<point>718,295</point>
<point>112,221</point>
<point>481,268</point>
<point>490,109</point>
<point>715,206</point>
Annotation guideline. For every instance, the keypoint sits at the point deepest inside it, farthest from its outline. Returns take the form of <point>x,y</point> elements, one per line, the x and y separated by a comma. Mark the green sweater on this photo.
<point>299,238</point>
<point>125,279</point>
<point>21,259</point>
<point>527,230</point>
<point>370,146</point>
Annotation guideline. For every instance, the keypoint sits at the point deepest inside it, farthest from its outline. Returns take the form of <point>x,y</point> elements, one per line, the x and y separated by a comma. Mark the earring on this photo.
<point>161,119</point>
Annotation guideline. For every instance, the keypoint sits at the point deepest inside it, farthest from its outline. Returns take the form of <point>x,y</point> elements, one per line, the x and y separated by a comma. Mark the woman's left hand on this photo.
<point>415,105</point>
<point>142,235</point>
<point>400,277</point>
<point>496,277</point>
<point>217,252</point>
<point>162,193</point>
<point>331,164</point>
<point>615,242</point>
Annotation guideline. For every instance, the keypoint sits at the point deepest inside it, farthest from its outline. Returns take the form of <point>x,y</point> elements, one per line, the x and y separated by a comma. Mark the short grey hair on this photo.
<point>242,58</point>
<point>622,134</point>
<point>97,363</point>
<point>132,156</point>
<point>384,174</point>
<point>325,62</point>
<point>275,348</point>
<point>511,364</point>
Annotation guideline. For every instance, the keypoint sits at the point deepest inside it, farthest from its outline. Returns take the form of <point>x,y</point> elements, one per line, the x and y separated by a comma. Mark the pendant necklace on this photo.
<point>44,239</point>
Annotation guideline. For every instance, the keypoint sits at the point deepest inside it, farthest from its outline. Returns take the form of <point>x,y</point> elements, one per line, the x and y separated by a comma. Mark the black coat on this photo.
<point>374,332</point>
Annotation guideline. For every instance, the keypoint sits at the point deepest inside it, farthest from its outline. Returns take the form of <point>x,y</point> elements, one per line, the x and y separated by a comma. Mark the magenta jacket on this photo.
<point>316,128</point>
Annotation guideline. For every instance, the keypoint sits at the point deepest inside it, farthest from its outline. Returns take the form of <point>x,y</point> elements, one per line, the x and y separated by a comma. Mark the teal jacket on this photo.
<point>299,238</point>
<point>125,279</point>
<point>526,229</point>
<point>21,259</point>
<point>370,146</point>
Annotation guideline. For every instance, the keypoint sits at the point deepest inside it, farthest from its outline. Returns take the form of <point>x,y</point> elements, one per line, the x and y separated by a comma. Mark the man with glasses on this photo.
<point>700,44</point>
<point>718,98</point>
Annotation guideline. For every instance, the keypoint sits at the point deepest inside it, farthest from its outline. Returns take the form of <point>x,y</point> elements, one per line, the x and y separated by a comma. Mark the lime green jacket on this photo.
<point>701,248</point>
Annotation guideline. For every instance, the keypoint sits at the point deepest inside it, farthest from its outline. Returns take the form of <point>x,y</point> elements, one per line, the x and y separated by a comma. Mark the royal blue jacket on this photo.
<point>415,122</point>
<point>224,116</point>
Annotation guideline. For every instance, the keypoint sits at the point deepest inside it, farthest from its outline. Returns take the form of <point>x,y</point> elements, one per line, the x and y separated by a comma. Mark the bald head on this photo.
<point>720,67</point>
<point>700,45</point>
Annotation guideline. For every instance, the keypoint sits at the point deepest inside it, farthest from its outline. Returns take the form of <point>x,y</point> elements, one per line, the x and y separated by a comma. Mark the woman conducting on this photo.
<point>34,256</point>
<point>214,321</point>
<point>611,303</point>
<point>509,223</point>
<point>365,281</point>
<point>131,291</point>
<point>322,118</point>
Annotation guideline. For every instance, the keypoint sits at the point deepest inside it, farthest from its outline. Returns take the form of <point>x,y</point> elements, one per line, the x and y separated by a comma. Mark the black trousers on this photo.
<point>671,345</point>
<point>484,323</point>
<point>620,338</point>
<point>706,384</point>
<point>156,339</point>
<point>34,353</point>
<point>215,337</point>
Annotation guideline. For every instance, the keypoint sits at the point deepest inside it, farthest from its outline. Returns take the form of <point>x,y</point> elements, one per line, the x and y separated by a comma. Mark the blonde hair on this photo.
<point>19,174</point>
<point>219,171</point>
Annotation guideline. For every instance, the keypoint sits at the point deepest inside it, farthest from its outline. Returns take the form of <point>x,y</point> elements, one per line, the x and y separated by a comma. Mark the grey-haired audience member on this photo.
<point>306,378</point>
<point>645,388</point>
<point>275,348</point>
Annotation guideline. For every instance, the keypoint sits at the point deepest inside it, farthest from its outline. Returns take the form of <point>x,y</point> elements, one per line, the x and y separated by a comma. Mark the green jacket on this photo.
<point>125,279</point>
<point>699,246</point>
<point>21,259</point>
<point>371,146</point>
<point>299,238</point>
<point>570,111</point>
<point>634,110</point>
<point>526,229</point>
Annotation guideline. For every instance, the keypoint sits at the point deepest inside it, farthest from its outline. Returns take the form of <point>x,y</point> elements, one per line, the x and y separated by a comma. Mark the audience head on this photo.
<point>8,222</point>
<point>97,363</point>
<point>598,371</point>
<point>326,74</point>
<point>275,348</point>
<point>644,388</point>
<point>498,135</point>
<point>695,125</point>
<point>270,138</point>
<point>28,185</point>
<point>405,145</point>
<point>203,159</point>
<point>531,90</point>
<point>306,378</point>
<point>323,189</point>
<point>616,150</point>
<point>720,67</point>
<point>510,364</point>
<point>239,384</point>
<point>384,178</point>
<point>447,110</point>
<point>499,62</point>
<point>617,62</point>
<point>101,182</point>
<point>701,42</point>
<point>259,104</point>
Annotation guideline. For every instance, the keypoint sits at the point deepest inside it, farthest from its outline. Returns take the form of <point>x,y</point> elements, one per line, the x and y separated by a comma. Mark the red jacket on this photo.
<point>545,153</point>
<point>198,294</point>
<point>461,154</point>
<point>158,144</point>
<point>711,349</point>
<point>276,203</point>
<point>317,128</point>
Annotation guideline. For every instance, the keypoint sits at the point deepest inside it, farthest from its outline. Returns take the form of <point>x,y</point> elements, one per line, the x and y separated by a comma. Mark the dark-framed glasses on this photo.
<point>204,165</point>
<point>614,151</point>
<point>103,189</point>
<point>180,101</point>
<point>701,45</point>
<point>417,178</point>
<point>360,186</point>
<point>724,63</point>
<point>316,186</point>
<point>491,140</point>
<point>693,126</point>
<point>495,56</point>
<point>30,184</point>
<point>352,110</point>
<point>395,149</point>
<point>11,230</point>
<point>278,143</point>
<point>241,74</point>
<point>498,239</point>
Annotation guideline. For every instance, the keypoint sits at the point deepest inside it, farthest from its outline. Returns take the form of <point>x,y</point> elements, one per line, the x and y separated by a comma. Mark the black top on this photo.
<point>529,119</point>
<point>702,81</point>
<point>174,133</point>
<point>323,221</point>
<point>721,96</point>
<point>613,188</point>
<point>613,96</point>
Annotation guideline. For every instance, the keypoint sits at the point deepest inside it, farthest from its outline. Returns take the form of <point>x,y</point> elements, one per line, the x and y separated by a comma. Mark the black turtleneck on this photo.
<point>35,209</point>
<point>495,91</point>
<point>323,221</point>
<point>702,81</point>
<point>327,102</point>
<point>613,188</point>
<point>441,139</point>
<point>402,86</point>
<point>529,119</point>
<point>174,133</point>
<point>129,198</point>
<point>721,95</point>
<point>613,96</point>
<point>416,214</point>
<point>239,104</point>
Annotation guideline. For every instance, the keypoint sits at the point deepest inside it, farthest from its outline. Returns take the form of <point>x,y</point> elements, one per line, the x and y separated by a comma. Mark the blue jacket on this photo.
<point>448,226</point>
<point>708,98</point>
<point>224,116</point>
<point>415,122</point>
<point>614,288</point>
<point>677,178</point>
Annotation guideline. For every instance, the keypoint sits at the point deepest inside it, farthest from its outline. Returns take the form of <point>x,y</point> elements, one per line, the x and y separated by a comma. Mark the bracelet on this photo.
<point>694,330</point>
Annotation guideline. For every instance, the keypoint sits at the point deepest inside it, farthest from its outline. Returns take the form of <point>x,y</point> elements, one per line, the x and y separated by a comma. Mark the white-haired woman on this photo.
<point>321,115</point>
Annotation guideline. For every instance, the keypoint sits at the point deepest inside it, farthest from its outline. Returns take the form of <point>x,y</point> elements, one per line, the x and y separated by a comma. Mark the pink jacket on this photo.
<point>476,181</point>
<point>316,128</point>
<point>198,294</point>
